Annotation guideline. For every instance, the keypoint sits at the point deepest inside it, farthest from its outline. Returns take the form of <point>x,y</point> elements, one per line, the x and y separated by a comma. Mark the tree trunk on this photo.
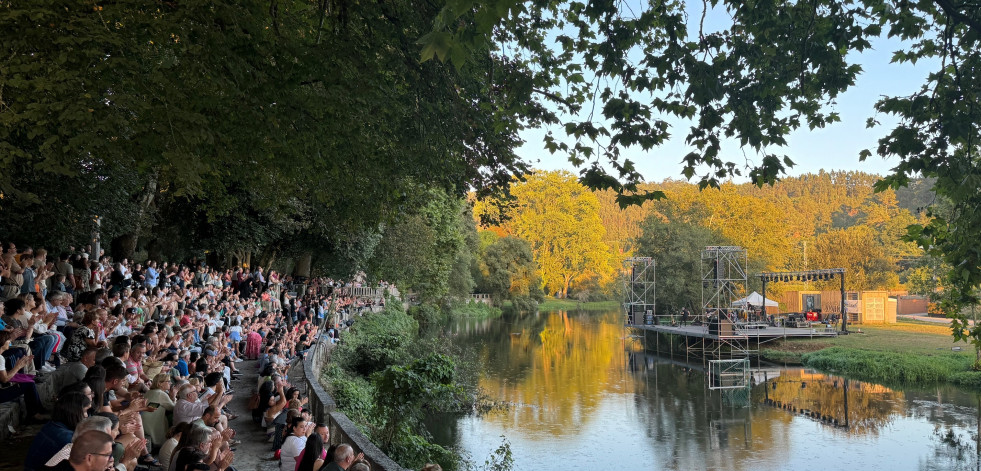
<point>154,250</point>
<point>123,246</point>
<point>303,265</point>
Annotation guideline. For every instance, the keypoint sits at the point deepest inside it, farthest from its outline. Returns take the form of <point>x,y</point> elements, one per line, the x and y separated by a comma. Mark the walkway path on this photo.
<point>926,318</point>
<point>254,454</point>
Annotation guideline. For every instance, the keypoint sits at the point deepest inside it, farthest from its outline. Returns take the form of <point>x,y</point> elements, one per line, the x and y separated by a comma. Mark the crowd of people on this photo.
<point>129,366</point>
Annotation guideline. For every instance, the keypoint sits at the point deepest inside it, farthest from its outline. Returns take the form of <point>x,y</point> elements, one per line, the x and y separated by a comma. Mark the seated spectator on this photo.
<point>295,443</point>
<point>69,410</point>
<point>173,437</point>
<point>188,408</point>
<point>343,458</point>
<point>83,337</point>
<point>91,452</point>
<point>313,454</point>
<point>101,424</point>
<point>197,438</point>
<point>18,384</point>
<point>69,373</point>
<point>161,397</point>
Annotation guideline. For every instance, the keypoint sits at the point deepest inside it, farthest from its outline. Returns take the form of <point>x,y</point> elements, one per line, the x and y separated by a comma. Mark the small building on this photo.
<point>917,305</point>
<point>864,307</point>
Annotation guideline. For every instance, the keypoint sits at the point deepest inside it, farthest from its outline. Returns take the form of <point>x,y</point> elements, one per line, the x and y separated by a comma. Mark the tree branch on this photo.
<point>951,10</point>
<point>555,97</point>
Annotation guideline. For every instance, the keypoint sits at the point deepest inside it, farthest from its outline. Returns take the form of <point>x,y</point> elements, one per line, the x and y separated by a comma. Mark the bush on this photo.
<point>376,341</point>
<point>472,310</point>
<point>427,315</point>
<point>353,394</point>
<point>415,451</point>
<point>971,379</point>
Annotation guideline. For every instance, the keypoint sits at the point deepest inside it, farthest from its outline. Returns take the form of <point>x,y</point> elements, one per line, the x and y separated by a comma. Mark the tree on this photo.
<point>145,108</point>
<point>423,250</point>
<point>855,249</point>
<point>675,239</point>
<point>560,219</point>
<point>510,272</point>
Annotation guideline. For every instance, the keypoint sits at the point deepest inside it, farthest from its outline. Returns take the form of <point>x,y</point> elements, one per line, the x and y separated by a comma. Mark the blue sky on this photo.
<point>835,147</point>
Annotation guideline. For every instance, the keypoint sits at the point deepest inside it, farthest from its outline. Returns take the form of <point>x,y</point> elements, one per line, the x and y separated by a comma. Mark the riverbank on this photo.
<point>904,353</point>
<point>555,304</point>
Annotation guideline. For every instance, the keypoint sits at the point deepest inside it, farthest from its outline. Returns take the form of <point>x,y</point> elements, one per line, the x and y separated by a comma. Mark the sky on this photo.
<point>836,147</point>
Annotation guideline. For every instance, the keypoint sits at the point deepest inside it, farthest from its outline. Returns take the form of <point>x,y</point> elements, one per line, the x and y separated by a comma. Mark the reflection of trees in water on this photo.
<point>952,450</point>
<point>554,368</point>
<point>692,428</point>
<point>870,406</point>
<point>956,448</point>
<point>558,367</point>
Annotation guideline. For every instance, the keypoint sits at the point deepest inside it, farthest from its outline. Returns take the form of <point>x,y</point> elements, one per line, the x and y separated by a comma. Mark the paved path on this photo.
<point>254,454</point>
<point>926,318</point>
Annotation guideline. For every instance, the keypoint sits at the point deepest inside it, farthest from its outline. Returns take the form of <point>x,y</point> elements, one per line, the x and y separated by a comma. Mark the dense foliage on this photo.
<point>387,378</point>
<point>254,128</point>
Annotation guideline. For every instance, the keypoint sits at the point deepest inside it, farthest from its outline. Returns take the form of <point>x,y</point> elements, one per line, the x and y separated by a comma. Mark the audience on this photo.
<point>136,358</point>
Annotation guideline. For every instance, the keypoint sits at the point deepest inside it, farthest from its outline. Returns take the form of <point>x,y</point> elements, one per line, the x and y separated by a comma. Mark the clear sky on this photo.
<point>836,147</point>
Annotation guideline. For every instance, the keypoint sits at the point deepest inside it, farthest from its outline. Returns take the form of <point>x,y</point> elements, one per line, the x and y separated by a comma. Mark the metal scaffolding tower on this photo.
<point>640,290</point>
<point>723,276</point>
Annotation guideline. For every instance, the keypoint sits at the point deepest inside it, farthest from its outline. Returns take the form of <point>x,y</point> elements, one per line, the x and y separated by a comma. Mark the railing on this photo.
<point>323,409</point>
<point>482,298</point>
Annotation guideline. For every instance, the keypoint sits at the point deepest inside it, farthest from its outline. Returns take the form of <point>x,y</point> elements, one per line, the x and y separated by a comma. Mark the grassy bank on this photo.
<point>553,304</point>
<point>904,353</point>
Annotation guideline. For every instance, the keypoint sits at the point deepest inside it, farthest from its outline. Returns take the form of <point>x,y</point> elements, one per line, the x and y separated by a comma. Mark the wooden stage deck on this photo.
<point>764,334</point>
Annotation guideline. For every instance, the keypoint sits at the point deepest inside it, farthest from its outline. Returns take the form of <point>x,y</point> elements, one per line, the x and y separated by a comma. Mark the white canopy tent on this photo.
<point>755,299</point>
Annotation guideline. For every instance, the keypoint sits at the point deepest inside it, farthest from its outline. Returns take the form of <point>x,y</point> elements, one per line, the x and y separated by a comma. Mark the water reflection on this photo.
<point>581,388</point>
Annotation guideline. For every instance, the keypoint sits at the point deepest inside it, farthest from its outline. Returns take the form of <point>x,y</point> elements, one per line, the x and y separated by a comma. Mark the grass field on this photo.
<point>907,352</point>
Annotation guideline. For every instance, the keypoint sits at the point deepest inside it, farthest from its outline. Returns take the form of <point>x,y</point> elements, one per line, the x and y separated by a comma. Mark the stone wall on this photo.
<point>324,409</point>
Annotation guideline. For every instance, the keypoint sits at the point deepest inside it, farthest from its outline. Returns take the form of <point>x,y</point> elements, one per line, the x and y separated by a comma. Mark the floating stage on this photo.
<point>723,339</point>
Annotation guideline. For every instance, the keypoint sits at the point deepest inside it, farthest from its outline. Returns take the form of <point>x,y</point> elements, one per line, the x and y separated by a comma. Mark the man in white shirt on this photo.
<point>188,408</point>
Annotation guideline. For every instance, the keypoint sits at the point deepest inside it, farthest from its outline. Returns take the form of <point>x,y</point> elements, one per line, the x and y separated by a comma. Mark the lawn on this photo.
<point>903,337</point>
<point>901,353</point>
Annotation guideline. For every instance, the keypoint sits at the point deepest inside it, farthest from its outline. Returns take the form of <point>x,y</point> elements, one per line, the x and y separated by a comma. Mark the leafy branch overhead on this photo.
<point>613,75</point>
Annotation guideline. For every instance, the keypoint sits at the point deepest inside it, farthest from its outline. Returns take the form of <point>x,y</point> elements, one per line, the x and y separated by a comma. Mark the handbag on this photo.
<point>254,401</point>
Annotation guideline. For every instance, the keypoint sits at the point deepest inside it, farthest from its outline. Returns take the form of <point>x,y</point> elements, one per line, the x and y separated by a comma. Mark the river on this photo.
<point>580,392</point>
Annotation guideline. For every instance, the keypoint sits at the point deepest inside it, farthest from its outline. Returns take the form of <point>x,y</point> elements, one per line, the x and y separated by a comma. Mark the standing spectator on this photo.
<point>65,268</point>
<point>152,275</point>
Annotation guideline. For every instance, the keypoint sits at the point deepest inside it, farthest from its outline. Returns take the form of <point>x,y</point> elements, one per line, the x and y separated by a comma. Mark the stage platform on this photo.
<point>750,332</point>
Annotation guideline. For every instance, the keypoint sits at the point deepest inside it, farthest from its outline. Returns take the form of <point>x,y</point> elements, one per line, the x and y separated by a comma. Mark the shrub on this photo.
<point>353,395</point>
<point>427,314</point>
<point>472,310</point>
<point>376,341</point>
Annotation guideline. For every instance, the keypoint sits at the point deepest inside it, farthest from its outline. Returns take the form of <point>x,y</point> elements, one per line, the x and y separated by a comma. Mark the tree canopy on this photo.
<point>216,115</point>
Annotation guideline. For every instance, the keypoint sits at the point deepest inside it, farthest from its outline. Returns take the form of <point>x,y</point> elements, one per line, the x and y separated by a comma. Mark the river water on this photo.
<point>580,392</point>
